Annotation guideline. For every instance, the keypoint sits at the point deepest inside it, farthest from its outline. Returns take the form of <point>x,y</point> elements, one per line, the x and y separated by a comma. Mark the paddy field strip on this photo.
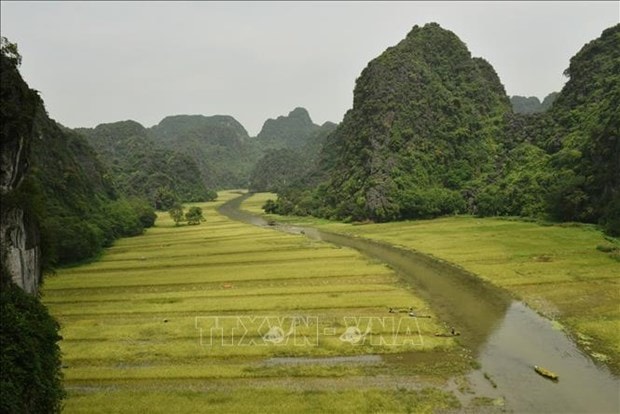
<point>139,333</point>
<point>567,272</point>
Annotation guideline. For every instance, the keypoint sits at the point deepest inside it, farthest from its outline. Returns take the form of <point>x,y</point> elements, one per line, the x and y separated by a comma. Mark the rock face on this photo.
<point>422,128</point>
<point>20,239</point>
<point>19,235</point>
<point>215,143</point>
<point>140,168</point>
<point>532,105</point>
<point>292,131</point>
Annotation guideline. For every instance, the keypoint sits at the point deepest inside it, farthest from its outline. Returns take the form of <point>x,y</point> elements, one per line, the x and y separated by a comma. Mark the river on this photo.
<point>505,335</point>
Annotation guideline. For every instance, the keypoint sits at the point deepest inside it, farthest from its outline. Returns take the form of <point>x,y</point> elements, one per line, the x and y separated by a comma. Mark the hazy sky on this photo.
<point>110,61</point>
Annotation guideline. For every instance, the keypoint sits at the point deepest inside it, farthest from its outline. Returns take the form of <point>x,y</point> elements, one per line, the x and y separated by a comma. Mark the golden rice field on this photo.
<point>563,271</point>
<point>228,317</point>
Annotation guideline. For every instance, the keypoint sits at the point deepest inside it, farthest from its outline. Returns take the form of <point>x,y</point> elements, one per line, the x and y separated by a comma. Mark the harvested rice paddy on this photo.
<point>228,317</point>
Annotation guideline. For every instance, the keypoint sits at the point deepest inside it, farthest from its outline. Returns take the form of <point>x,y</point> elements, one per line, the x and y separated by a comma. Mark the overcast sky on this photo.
<point>110,61</point>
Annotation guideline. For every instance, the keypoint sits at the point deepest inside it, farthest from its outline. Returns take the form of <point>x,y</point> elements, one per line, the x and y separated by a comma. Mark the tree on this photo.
<point>10,51</point>
<point>30,358</point>
<point>165,199</point>
<point>145,212</point>
<point>176,213</point>
<point>194,215</point>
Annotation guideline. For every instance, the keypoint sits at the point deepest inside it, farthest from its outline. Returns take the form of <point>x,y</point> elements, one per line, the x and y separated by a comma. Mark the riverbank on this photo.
<point>565,273</point>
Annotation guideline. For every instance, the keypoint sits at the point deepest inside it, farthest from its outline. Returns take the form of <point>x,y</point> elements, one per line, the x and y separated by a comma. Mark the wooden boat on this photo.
<point>546,373</point>
<point>448,334</point>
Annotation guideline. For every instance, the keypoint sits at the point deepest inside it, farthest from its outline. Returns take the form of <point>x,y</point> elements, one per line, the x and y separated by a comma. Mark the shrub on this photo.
<point>29,354</point>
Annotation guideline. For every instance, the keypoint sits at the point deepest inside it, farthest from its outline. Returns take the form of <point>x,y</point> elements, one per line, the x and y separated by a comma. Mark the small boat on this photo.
<point>448,334</point>
<point>546,373</point>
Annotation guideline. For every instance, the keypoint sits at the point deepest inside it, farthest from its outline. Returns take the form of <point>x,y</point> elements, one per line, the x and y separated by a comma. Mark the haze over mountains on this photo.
<point>431,132</point>
<point>218,148</point>
<point>531,104</point>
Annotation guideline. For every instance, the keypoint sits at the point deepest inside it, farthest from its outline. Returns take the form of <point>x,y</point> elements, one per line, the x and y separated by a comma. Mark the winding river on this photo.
<point>506,336</point>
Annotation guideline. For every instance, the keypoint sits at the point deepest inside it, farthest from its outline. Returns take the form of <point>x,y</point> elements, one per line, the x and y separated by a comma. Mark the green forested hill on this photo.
<point>277,169</point>
<point>290,151</point>
<point>421,130</point>
<point>532,105</point>
<point>584,142</point>
<point>216,143</point>
<point>292,131</point>
<point>432,132</point>
<point>66,190</point>
<point>564,164</point>
<point>184,154</point>
<point>138,168</point>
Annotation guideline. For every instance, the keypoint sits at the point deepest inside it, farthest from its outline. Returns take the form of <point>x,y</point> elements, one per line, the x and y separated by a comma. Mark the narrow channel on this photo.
<point>506,336</point>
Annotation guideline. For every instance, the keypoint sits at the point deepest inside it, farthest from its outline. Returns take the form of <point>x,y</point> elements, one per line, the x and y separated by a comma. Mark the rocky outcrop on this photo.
<point>22,253</point>
<point>19,235</point>
<point>292,131</point>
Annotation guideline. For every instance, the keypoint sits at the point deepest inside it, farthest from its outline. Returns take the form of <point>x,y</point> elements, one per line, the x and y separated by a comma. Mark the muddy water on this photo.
<point>506,336</point>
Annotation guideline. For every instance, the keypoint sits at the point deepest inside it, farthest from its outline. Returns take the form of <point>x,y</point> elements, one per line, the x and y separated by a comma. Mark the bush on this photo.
<point>194,215</point>
<point>144,211</point>
<point>30,363</point>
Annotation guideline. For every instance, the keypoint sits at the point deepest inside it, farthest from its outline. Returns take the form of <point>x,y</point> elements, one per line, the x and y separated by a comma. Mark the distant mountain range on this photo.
<point>193,154</point>
<point>532,105</point>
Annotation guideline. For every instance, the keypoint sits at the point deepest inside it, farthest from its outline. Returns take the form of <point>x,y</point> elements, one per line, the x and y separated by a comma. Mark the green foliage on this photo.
<point>31,380</point>
<point>138,168</point>
<point>431,133</point>
<point>525,105</point>
<point>423,123</point>
<point>216,144</point>
<point>292,131</point>
<point>66,191</point>
<point>276,170</point>
<point>176,213</point>
<point>547,103</point>
<point>82,213</point>
<point>531,105</point>
<point>585,140</point>
<point>270,207</point>
<point>164,199</point>
<point>430,202</point>
<point>144,211</point>
<point>10,52</point>
<point>194,215</point>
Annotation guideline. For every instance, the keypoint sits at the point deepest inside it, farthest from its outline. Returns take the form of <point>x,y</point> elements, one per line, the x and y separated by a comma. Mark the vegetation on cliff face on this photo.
<point>137,168</point>
<point>432,132</point>
<point>290,153</point>
<point>215,143</point>
<point>66,190</point>
<point>277,169</point>
<point>79,210</point>
<point>292,131</point>
<point>584,144</point>
<point>422,130</point>
<point>185,157</point>
<point>532,105</point>
<point>29,353</point>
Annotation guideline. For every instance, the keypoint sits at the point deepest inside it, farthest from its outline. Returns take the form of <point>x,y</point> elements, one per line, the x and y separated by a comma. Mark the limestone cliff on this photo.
<point>19,235</point>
